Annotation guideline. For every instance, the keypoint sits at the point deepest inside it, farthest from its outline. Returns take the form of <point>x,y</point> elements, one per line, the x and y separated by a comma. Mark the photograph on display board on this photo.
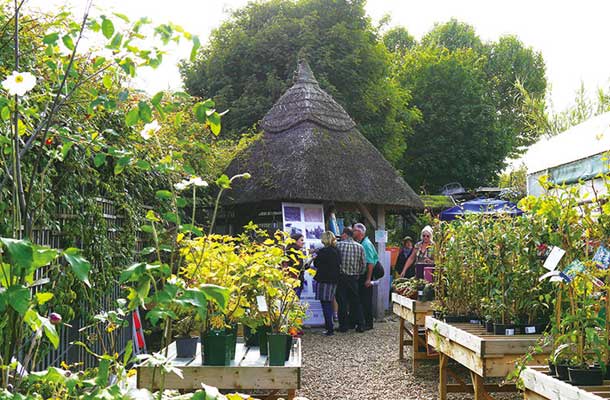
<point>313,214</point>
<point>313,232</point>
<point>292,213</point>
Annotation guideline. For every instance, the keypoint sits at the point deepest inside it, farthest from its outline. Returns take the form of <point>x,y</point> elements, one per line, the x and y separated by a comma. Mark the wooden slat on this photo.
<point>464,338</point>
<point>249,371</point>
<point>413,305</point>
<point>465,356</point>
<point>538,383</point>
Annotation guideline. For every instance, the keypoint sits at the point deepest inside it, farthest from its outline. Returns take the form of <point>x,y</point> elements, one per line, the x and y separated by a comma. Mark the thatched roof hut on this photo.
<point>311,151</point>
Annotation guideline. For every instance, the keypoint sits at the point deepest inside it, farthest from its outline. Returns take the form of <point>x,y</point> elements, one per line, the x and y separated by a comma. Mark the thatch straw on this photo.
<point>311,151</point>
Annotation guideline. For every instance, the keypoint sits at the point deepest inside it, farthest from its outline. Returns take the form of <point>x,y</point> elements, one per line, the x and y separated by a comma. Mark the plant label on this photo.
<point>553,259</point>
<point>602,257</point>
<point>261,303</point>
<point>509,332</point>
<point>530,329</point>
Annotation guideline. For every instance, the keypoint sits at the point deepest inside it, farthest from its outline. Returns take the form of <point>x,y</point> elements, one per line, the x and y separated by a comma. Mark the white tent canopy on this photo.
<point>579,142</point>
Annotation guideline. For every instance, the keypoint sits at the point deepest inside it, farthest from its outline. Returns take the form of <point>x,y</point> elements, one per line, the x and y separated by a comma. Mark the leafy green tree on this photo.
<point>251,57</point>
<point>472,107</point>
<point>398,40</point>
<point>458,139</point>
<point>453,35</point>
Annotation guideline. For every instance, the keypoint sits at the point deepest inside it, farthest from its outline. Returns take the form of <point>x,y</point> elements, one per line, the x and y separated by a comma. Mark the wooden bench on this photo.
<point>541,386</point>
<point>412,314</point>
<point>248,371</point>
<point>485,355</point>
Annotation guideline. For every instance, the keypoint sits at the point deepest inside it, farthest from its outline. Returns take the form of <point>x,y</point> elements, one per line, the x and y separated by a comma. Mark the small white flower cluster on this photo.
<point>19,83</point>
<point>194,181</point>
<point>150,129</point>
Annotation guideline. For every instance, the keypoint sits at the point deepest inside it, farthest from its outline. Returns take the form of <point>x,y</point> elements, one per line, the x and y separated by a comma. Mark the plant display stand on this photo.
<point>248,371</point>
<point>412,314</point>
<point>541,386</point>
<point>485,355</point>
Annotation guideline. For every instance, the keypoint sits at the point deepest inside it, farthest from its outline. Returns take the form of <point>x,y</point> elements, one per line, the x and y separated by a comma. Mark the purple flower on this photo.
<point>55,318</point>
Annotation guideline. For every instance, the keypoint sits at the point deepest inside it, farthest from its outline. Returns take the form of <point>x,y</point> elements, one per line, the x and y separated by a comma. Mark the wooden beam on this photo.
<point>369,217</point>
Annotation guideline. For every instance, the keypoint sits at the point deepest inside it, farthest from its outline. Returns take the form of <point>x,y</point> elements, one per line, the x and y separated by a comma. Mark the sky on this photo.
<point>572,36</point>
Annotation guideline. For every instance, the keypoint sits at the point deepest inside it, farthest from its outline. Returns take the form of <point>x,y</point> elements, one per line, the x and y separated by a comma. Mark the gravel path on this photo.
<point>365,366</point>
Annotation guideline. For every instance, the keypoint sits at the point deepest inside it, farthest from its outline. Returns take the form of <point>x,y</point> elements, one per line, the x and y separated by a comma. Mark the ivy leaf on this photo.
<point>107,28</point>
<point>132,117</point>
<point>43,297</point>
<point>65,149</point>
<point>21,254</point>
<point>67,39</point>
<point>80,266</point>
<point>99,160</point>
<point>200,109</point>
<point>214,121</point>
<point>156,100</point>
<point>145,112</point>
<point>121,164</point>
<point>50,38</point>
<point>50,331</point>
<point>143,164</point>
<point>18,296</point>
<point>163,194</point>
<point>5,113</point>
<point>216,293</point>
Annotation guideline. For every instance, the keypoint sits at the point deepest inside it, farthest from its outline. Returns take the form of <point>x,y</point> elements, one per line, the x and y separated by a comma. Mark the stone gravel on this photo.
<point>365,365</point>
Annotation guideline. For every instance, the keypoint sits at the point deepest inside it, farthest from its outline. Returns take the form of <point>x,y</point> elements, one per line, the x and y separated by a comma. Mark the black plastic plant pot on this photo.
<point>552,370</point>
<point>586,376</point>
<point>561,371</point>
<point>506,329</point>
<point>262,339</point>
<point>232,343</point>
<point>250,338</point>
<point>276,343</point>
<point>437,314</point>
<point>288,346</point>
<point>456,318</point>
<point>215,349</point>
<point>489,326</point>
<point>186,347</point>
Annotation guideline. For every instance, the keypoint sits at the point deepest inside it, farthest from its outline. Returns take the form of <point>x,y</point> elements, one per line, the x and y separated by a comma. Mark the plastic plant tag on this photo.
<point>553,259</point>
<point>530,329</point>
<point>261,304</point>
<point>509,332</point>
<point>602,257</point>
<point>572,270</point>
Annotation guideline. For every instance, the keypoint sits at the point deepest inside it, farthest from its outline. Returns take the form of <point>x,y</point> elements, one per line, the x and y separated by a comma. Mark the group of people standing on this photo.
<point>345,269</point>
<point>344,273</point>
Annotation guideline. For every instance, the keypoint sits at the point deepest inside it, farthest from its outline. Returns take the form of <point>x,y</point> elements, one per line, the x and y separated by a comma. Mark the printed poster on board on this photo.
<point>307,219</point>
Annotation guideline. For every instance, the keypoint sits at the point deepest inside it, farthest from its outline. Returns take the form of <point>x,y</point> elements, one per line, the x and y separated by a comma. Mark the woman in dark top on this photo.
<point>327,263</point>
<point>403,256</point>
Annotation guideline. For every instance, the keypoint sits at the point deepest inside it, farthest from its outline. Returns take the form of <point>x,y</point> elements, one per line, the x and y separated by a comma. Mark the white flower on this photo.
<point>150,129</point>
<point>197,181</point>
<point>180,186</point>
<point>18,83</point>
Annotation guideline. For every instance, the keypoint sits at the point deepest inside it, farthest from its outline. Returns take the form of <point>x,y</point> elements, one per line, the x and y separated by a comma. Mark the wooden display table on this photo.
<point>248,371</point>
<point>540,386</point>
<point>485,355</point>
<point>414,313</point>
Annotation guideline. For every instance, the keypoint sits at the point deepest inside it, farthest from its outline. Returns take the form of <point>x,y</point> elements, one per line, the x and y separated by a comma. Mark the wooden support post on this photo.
<point>401,339</point>
<point>442,376</point>
<point>369,218</point>
<point>415,345</point>
<point>478,386</point>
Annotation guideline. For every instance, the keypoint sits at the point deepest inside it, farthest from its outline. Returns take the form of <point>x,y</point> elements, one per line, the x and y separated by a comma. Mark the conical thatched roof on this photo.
<point>311,151</point>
